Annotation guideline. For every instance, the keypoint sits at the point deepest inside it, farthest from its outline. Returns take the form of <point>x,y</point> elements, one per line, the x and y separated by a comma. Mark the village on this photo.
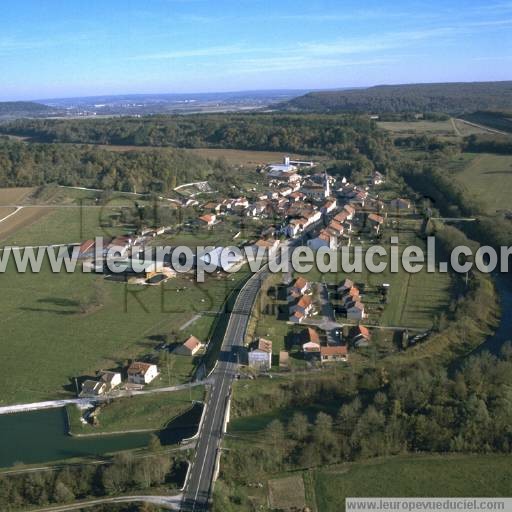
<point>296,204</point>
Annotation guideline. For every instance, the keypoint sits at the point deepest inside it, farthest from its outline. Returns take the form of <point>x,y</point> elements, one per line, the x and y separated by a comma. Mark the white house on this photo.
<point>111,379</point>
<point>142,373</point>
<point>190,347</point>
<point>261,357</point>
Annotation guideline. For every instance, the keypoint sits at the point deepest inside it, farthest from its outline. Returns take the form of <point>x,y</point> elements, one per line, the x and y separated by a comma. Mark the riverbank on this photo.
<point>134,414</point>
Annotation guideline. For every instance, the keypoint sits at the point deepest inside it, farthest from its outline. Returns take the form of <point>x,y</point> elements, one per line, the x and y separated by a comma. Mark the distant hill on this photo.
<point>23,108</point>
<point>451,98</point>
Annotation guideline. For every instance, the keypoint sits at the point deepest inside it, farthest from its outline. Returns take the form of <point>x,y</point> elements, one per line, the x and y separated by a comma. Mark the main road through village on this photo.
<point>201,475</point>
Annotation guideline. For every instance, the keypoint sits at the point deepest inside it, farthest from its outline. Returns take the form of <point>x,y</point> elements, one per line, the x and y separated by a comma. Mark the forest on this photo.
<point>338,136</point>
<point>354,141</point>
<point>27,165</point>
<point>125,472</point>
<point>452,98</point>
<point>386,411</point>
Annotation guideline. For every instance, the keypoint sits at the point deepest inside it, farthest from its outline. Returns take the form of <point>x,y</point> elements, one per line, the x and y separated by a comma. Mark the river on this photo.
<point>42,436</point>
<point>503,332</point>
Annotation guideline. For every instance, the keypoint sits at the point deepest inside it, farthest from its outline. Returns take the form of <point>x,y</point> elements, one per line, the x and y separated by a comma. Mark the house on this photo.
<point>312,216</point>
<point>275,170</point>
<point>351,293</point>
<point>337,227</point>
<point>296,196</point>
<point>297,317</point>
<point>350,210</point>
<point>355,311</point>
<point>92,388</point>
<point>111,379</point>
<point>208,219</point>
<point>360,336</point>
<point>345,285</point>
<point>375,221</point>
<point>213,207</point>
<point>333,354</point>
<point>190,347</point>
<point>142,373</point>
<point>312,345</point>
<point>261,357</point>
<point>86,250</point>
<point>329,206</point>
<point>304,305</point>
<point>296,226</point>
<point>400,204</point>
<point>270,245</point>
<point>341,217</point>
<point>378,178</point>
<point>324,239</point>
<point>299,287</point>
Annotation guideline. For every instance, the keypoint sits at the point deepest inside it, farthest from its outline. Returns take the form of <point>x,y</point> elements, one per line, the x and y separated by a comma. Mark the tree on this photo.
<point>298,426</point>
<point>154,443</point>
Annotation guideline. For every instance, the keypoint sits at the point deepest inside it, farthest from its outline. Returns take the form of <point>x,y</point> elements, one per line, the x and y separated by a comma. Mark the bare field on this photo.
<point>24,218</point>
<point>419,127</point>
<point>287,493</point>
<point>233,156</point>
<point>12,196</point>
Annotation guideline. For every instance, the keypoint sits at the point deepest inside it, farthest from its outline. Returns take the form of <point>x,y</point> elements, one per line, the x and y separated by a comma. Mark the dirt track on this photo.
<point>23,218</point>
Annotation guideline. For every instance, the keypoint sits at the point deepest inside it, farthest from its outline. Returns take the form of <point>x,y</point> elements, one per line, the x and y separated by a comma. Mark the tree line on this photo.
<point>125,473</point>
<point>453,98</point>
<point>27,165</point>
<point>337,136</point>
<point>385,411</point>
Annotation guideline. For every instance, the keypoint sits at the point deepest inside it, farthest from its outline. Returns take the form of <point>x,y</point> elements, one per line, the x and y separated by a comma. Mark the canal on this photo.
<point>42,436</point>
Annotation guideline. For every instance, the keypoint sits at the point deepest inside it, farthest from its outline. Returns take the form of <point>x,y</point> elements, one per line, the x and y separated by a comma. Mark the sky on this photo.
<point>68,48</point>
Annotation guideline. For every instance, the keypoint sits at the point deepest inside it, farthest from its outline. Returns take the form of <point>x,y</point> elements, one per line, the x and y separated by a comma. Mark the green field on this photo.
<point>431,476</point>
<point>47,340</point>
<point>413,299</point>
<point>139,412</point>
<point>488,177</point>
<point>419,127</point>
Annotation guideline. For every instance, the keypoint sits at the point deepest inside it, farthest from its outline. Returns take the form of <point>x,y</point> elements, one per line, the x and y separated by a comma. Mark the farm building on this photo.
<point>92,388</point>
<point>111,379</point>
<point>142,373</point>
<point>190,347</point>
<point>333,354</point>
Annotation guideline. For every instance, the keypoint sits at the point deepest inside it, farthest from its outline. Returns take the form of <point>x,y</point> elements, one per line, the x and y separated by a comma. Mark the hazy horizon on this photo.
<point>65,50</point>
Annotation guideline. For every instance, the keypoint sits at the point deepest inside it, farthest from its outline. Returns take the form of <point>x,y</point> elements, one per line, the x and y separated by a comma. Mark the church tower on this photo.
<point>327,186</point>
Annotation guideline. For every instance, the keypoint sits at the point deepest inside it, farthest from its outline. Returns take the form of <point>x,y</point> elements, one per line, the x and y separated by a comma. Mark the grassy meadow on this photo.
<point>488,177</point>
<point>415,476</point>
<point>139,412</point>
<point>47,340</point>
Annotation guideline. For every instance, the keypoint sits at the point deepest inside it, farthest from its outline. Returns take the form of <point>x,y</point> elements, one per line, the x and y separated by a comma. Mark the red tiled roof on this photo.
<point>334,351</point>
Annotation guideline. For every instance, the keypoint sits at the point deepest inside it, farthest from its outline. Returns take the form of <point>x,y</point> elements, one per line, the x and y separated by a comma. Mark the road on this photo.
<point>198,486</point>
<point>168,502</point>
<point>89,402</point>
